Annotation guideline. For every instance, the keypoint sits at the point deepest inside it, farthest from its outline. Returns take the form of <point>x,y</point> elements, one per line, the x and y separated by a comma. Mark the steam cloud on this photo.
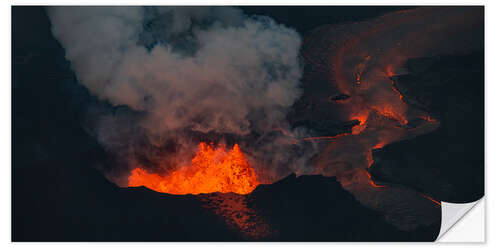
<point>171,71</point>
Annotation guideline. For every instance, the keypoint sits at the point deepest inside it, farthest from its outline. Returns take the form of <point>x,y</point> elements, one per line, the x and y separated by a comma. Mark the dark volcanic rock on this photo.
<point>57,195</point>
<point>447,163</point>
<point>317,208</point>
<point>78,204</point>
<point>338,98</point>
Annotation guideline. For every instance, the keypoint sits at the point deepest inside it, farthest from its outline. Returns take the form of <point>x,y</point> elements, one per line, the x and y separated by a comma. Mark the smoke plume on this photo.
<point>173,72</point>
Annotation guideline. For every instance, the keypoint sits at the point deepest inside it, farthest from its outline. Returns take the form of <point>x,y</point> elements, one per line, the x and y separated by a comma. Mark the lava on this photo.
<point>362,123</point>
<point>428,118</point>
<point>224,176</point>
<point>372,183</point>
<point>389,71</point>
<point>211,170</point>
<point>234,209</point>
<point>431,199</point>
<point>389,111</point>
<point>379,145</point>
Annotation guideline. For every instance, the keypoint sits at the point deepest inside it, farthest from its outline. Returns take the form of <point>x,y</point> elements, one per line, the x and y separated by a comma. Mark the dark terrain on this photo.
<point>447,163</point>
<point>59,195</point>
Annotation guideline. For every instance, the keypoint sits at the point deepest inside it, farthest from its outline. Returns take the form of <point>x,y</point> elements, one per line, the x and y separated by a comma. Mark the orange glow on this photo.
<point>237,214</point>
<point>397,91</point>
<point>373,183</point>
<point>388,111</point>
<point>362,123</point>
<point>369,158</point>
<point>358,79</point>
<point>431,199</point>
<point>379,145</point>
<point>428,118</point>
<point>389,71</point>
<point>212,170</point>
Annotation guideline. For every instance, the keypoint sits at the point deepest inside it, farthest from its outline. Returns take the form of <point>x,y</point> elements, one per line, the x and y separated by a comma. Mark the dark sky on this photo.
<point>305,18</point>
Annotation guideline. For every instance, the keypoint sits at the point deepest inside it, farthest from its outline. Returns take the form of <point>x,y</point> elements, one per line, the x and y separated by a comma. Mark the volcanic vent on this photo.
<point>193,100</point>
<point>213,169</point>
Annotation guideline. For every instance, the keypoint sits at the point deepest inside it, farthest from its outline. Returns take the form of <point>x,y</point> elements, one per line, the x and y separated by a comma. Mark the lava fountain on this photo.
<point>224,175</point>
<point>213,169</point>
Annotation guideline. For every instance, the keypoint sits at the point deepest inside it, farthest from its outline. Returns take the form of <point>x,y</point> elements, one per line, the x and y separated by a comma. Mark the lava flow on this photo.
<point>211,170</point>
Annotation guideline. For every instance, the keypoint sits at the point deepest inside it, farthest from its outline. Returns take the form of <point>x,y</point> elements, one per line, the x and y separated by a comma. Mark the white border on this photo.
<point>492,132</point>
<point>451,214</point>
<point>469,228</point>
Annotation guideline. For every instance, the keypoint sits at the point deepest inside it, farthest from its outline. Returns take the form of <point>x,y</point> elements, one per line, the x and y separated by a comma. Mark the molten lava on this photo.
<point>372,183</point>
<point>234,209</point>
<point>211,170</point>
<point>431,199</point>
<point>362,123</point>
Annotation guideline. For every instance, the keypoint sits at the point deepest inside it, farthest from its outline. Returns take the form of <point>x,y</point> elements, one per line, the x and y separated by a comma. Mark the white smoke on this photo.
<point>202,69</point>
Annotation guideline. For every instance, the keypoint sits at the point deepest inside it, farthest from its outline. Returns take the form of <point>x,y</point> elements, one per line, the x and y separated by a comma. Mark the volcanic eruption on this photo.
<point>206,101</point>
<point>193,100</point>
<point>211,170</point>
<point>181,82</point>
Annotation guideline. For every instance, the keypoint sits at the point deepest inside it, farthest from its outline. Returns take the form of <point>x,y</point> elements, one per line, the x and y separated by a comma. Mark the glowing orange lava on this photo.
<point>238,215</point>
<point>389,71</point>
<point>389,111</point>
<point>372,183</point>
<point>211,170</point>
<point>428,118</point>
<point>362,123</point>
<point>379,145</point>
<point>431,199</point>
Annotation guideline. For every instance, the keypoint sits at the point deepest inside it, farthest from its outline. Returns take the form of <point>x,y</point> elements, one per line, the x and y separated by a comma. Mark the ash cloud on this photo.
<point>174,72</point>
